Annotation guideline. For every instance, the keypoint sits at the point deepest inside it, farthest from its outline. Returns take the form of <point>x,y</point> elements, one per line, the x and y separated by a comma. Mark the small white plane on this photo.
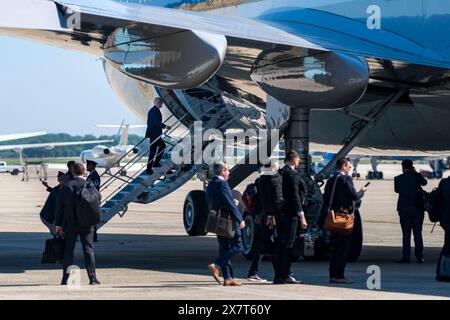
<point>108,157</point>
<point>45,145</point>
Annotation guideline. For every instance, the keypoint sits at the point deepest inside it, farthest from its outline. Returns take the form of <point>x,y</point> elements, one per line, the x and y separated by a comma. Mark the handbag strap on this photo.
<point>332,192</point>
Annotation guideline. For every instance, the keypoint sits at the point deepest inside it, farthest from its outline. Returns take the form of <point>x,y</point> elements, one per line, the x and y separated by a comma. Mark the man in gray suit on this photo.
<point>410,209</point>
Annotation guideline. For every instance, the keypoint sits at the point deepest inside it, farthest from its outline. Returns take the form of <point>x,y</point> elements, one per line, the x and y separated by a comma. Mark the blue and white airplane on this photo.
<point>354,73</point>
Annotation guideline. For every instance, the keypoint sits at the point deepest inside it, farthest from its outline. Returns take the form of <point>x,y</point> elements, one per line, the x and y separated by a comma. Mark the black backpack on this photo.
<point>87,206</point>
<point>434,206</point>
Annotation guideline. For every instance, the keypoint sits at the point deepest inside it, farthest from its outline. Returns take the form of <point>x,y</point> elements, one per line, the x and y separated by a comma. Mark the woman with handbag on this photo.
<point>339,199</point>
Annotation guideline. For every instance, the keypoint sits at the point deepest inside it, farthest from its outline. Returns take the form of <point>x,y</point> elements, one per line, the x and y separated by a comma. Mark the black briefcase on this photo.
<point>221,223</point>
<point>54,251</point>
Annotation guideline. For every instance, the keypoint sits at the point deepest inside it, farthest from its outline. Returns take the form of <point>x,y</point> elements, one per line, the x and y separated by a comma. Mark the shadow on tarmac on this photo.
<point>20,252</point>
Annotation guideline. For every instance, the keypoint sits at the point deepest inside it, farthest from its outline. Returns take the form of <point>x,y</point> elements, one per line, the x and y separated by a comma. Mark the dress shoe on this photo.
<point>420,260</point>
<point>341,281</point>
<point>404,260</point>
<point>256,278</point>
<point>215,272</point>
<point>94,282</point>
<point>292,280</point>
<point>232,283</point>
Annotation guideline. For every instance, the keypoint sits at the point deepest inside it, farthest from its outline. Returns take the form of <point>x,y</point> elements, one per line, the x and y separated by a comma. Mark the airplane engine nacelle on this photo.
<point>311,79</point>
<point>100,151</point>
<point>174,59</point>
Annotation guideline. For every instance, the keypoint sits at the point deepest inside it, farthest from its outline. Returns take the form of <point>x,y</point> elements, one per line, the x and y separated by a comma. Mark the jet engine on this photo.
<point>166,57</point>
<point>311,79</point>
<point>100,151</point>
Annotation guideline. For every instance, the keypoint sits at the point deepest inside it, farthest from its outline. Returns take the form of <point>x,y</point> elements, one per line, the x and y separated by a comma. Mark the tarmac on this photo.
<point>147,254</point>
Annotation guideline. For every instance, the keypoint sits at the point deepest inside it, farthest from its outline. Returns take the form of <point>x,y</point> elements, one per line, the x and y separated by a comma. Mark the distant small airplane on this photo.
<point>108,157</point>
<point>45,145</point>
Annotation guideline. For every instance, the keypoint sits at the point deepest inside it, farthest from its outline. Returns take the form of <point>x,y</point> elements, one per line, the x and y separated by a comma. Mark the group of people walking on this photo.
<point>281,197</point>
<point>279,210</point>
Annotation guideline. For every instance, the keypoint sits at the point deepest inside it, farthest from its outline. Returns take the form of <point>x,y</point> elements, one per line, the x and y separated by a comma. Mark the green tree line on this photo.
<point>66,151</point>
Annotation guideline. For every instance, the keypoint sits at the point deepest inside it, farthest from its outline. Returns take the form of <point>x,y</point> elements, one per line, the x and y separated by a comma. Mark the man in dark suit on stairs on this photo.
<point>155,128</point>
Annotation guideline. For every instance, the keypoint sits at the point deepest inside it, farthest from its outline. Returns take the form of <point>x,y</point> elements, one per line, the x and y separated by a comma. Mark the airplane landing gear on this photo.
<point>375,174</point>
<point>195,213</point>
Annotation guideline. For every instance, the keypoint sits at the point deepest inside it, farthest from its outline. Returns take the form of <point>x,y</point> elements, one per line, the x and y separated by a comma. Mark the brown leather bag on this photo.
<point>340,222</point>
<point>221,223</point>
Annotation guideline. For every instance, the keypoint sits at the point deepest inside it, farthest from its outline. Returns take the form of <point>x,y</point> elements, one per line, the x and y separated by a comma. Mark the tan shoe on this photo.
<point>232,283</point>
<point>215,272</point>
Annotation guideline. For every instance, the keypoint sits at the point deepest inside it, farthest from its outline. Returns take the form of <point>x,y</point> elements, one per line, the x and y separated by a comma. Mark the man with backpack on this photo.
<point>442,215</point>
<point>77,212</point>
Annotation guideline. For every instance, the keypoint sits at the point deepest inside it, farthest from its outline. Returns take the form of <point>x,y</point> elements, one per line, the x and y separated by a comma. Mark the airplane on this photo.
<point>17,136</point>
<point>108,157</point>
<point>352,73</point>
<point>438,164</point>
<point>45,145</point>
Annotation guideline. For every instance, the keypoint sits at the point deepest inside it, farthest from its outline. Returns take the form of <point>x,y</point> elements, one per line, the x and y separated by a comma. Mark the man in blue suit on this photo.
<point>155,127</point>
<point>219,195</point>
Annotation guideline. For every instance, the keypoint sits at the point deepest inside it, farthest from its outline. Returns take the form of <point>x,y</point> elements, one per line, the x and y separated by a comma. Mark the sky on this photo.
<point>43,88</point>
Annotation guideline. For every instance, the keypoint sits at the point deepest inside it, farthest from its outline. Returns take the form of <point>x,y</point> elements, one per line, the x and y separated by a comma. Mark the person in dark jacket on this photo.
<point>269,204</point>
<point>345,198</point>
<point>93,177</point>
<point>444,193</point>
<point>154,131</point>
<point>292,215</point>
<point>410,209</point>
<point>47,213</point>
<point>66,224</point>
<point>60,174</point>
<point>219,194</point>
<point>70,166</point>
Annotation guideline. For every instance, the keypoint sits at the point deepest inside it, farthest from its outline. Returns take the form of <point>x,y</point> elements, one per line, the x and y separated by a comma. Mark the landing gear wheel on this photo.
<point>195,213</point>
<point>248,237</point>
<point>357,239</point>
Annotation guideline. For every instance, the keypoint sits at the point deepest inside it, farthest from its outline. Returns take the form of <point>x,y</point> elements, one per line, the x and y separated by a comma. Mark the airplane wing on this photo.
<point>288,22</point>
<point>16,136</point>
<point>20,147</point>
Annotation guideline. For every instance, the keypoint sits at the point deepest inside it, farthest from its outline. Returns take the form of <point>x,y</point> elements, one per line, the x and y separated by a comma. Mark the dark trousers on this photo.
<point>445,250</point>
<point>87,242</point>
<point>412,224</point>
<point>257,257</point>
<point>228,248</point>
<point>287,231</point>
<point>156,152</point>
<point>258,251</point>
<point>340,249</point>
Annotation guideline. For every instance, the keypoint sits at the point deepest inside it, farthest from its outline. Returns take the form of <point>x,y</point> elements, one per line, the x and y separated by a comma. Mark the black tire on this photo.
<point>195,213</point>
<point>248,237</point>
<point>15,172</point>
<point>357,239</point>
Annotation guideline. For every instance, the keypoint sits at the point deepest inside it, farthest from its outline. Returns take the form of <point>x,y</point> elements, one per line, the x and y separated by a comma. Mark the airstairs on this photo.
<point>119,189</point>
